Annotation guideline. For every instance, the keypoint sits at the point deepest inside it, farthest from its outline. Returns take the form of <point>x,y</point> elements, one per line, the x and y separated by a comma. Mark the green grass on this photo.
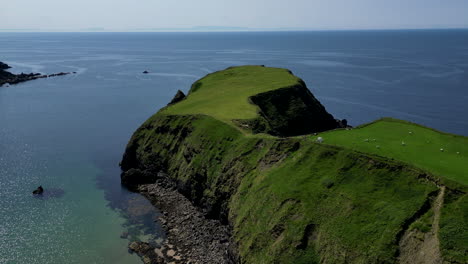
<point>355,220</point>
<point>224,95</point>
<point>354,195</point>
<point>422,146</point>
<point>453,232</point>
<point>356,206</point>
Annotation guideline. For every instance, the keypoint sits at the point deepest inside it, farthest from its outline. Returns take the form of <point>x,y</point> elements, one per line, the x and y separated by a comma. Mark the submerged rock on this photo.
<point>124,235</point>
<point>146,252</point>
<point>139,247</point>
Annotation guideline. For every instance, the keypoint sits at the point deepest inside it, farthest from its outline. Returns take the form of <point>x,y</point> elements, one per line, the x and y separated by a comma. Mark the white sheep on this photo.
<point>441,150</point>
<point>319,140</point>
<point>403,143</point>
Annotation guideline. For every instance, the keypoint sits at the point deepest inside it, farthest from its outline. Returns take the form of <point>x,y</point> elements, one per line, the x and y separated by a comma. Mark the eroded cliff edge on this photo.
<point>290,200</point>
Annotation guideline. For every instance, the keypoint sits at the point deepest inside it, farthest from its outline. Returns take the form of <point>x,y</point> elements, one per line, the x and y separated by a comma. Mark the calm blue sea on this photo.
<point>68,133</point>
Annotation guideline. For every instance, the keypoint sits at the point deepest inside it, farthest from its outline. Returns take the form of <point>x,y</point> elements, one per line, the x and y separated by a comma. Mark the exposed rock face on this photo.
<point>134,177</point>
<point>177,98</point>
<point>4,66</point>
<point>290,112</point>
<point>4,75</point>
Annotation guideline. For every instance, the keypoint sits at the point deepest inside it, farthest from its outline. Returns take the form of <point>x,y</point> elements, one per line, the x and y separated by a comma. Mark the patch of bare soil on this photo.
<point>417,247</point>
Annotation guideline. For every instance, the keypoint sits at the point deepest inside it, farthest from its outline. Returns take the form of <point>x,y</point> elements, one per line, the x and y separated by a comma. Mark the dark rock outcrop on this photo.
<point>10,78</point>
<point>134,177</point>
<point>38,191</point>
<point>291,111</point>
<point>177,98</point>
<point>4,66</point>
<point>4,75</point>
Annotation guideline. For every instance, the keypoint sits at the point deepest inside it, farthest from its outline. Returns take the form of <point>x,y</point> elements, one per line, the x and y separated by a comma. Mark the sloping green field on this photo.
<point>224,95</point>
<point>442,154</point>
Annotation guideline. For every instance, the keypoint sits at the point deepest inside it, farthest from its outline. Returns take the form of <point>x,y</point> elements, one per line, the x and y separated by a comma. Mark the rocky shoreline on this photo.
<point>10,78</point>
<point>191,237</point>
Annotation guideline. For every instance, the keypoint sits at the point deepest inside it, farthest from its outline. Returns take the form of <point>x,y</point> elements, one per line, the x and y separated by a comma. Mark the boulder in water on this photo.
<point>39,190</point>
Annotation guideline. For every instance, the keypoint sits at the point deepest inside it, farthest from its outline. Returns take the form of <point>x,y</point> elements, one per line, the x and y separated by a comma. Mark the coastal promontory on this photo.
<point>250,167</point>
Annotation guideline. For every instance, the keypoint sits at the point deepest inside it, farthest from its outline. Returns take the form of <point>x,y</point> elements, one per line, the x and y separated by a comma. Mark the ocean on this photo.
<point>68,133</point>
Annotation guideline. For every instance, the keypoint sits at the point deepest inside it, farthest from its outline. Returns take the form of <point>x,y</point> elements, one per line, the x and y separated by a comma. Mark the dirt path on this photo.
<point>423,248</point>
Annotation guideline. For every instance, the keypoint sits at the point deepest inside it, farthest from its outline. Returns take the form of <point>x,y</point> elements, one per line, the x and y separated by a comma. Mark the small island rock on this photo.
<point>39,190</point>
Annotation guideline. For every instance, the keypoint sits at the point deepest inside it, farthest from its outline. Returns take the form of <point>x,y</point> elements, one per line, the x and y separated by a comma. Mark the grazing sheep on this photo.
<point>319,140</point>
<point>403,143</point>
<point>366,140</point>
<point>441,150</point>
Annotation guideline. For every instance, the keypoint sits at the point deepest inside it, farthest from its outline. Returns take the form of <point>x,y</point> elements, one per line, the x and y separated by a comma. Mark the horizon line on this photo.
<point>221,30</point>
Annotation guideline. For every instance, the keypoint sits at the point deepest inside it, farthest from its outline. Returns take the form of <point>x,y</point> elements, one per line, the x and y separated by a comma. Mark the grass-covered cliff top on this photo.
<point>233,94</point>
<point>440,153</point>
<point>257,99</point>
<point>224,95</point>
<point>361,196</point>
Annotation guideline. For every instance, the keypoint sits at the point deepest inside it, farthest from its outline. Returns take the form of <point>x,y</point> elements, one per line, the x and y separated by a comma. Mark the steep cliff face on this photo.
<point>291,111</point>
<point>289,200</point>
<point>198,152</point>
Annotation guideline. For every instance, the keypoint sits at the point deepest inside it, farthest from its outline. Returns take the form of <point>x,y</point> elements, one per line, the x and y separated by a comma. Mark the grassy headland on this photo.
<point>249,97</point>
<point>290,199</point>
<point>224,95</point>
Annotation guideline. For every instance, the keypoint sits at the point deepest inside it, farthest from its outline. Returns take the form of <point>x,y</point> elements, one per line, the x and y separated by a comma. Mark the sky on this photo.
<point>206,15</point>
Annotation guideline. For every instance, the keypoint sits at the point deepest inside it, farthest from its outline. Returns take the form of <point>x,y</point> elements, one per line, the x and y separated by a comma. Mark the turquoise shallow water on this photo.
<point>68,133</point>
<point>71,223</point>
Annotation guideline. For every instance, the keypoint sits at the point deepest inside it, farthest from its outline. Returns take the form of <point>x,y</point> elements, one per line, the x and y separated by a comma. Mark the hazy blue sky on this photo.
<point>130,15</point>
